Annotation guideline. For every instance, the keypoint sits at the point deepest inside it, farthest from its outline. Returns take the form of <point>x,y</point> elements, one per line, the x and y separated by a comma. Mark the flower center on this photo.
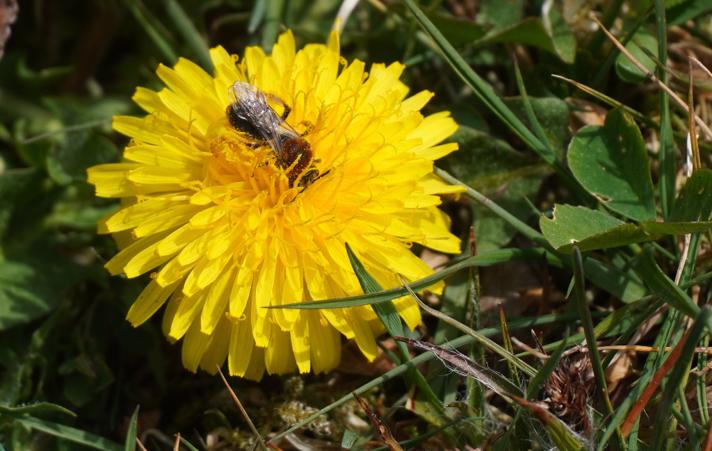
<point>251,170</point>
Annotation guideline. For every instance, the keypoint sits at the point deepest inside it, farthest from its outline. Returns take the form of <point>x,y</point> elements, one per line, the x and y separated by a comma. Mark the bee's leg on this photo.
<point>285,112</point>
<point>286,109</point>
<point>308,127</point>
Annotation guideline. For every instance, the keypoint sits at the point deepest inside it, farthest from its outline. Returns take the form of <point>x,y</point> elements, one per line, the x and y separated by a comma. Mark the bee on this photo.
<point>251,114</point>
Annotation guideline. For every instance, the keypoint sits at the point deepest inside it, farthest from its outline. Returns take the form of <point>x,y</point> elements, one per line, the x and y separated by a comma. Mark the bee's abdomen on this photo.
<point>298,153</point>
<point>240,120</point>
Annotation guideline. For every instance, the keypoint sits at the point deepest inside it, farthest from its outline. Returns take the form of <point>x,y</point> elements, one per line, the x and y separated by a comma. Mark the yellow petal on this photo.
<point>325,343</point>
<point>279,358</point>
<point>216,302</point>
<point>186,311</point>
<point>195,343</point>
<point>140,256</point>
<point>148,302</point>
<point>217,352</point>
<point>110,179</point>
<point>300,341</point>
<point>241,347</point>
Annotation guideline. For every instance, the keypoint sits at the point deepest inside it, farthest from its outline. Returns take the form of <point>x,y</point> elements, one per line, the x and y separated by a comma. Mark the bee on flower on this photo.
<point>240,190</point>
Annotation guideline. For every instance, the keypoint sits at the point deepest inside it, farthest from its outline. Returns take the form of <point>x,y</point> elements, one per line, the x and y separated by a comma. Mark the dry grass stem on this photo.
<point>701,66</point>
<point>528,349</point>
<point>681,103</point>
<point>247,418</point>
<point>640,348</point>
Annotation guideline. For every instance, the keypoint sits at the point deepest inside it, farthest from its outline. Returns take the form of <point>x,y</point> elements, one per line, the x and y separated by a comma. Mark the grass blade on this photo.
<point>680,371</point>
<point>610,101</point>
<point>386,311</point>
<point>184,25</point>
<point>486,259</point>
<point>481,88</point>
<point>563,437</point>
<point>484,341</point>
<point>166,50</point>
<point>487,95</point>
<point>188,445</point>
<point>512,220</point>
<point>417,360</point>
<point>531,115</point>
<point>256,16</point>
<point>507,341</point>
<point>587,322</point>
<point>130,443</point>
<point>273,19</point>
<point>388,314</point>
<point>666,177</point>
<point>661,285</point>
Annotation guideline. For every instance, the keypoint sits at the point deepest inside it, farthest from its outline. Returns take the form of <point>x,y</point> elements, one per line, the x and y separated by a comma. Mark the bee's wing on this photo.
<point>255,109</point>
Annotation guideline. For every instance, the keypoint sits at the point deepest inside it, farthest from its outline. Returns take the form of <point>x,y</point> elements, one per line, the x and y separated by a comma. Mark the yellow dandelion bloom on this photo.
<point>225,229</point>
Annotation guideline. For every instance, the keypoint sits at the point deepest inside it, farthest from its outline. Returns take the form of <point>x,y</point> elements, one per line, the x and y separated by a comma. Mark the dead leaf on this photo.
<point>463,365</point>
<point>619,369</point>
<point>586,112</point>
<point>8,15</point>
<point>382,429</point>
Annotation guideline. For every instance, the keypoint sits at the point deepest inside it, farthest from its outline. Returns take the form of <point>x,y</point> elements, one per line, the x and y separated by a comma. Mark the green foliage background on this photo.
<point>551,171</point>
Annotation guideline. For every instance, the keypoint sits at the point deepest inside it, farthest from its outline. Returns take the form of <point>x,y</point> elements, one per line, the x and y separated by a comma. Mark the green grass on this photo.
<point>518,77</point>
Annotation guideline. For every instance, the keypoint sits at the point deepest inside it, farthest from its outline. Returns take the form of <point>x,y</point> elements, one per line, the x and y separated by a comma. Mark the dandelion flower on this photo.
<point>225,230</point>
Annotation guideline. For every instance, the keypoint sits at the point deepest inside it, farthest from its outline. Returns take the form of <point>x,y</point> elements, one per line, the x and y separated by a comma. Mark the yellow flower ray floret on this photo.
<point>216,223</point>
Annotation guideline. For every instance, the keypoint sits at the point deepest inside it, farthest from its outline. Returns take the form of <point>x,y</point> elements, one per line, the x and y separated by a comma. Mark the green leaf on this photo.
<point>16,188</point>
<point>562,38</point>
<point>553,116</point>
<point>661,285</point>
<point>351,439</point>
<point>499,14</point>
<point>551,34</point>
<point>458,31</point>
<point>494,168</point>
<point>77,208</point>
<point>640,46</point>
<point>615,279</point>
<point>591,229</point>
<point>694,202</point>
<point>80,150</point>
<point>70,434</point>
<point>86,375</point>
<point>79,144</point>
<point>571,225</point>
<point>611,162</point>
<point>33,285</point>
